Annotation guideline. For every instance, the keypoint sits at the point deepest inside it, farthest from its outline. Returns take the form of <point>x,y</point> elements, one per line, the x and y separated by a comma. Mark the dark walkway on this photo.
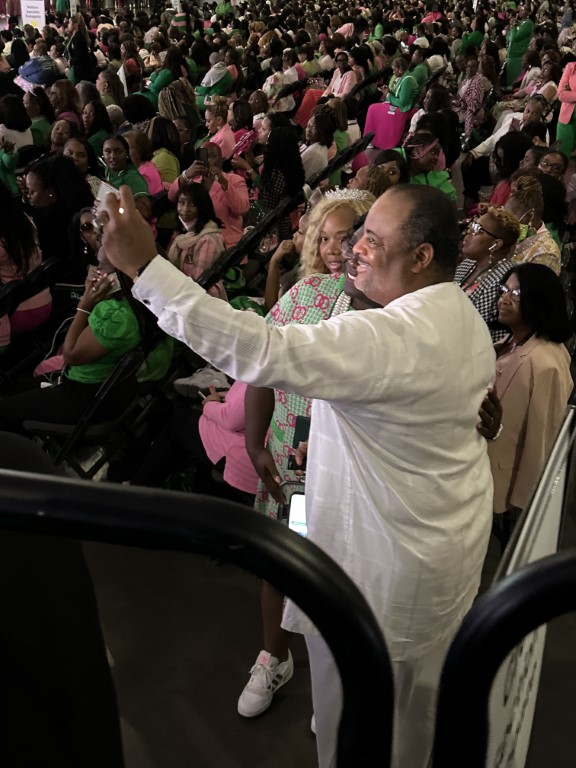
<point>184,633</point>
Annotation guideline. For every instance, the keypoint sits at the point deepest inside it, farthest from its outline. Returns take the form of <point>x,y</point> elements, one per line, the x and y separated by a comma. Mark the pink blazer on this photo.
<point>567,95</point>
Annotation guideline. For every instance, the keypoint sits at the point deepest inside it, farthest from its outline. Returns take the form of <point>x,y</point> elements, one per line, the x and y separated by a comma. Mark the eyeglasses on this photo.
<point>555,167</point>
<point>514,293</point>
<point>475,228</point>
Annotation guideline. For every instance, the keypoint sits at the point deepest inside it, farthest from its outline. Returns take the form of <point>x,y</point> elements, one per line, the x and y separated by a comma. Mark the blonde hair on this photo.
<point>359,202</point>
<point>508,224</point>
<point>527,190</point>
<point>218,106</point>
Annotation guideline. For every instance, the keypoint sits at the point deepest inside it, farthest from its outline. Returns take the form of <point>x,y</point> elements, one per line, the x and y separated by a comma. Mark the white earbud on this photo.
<point>493,247</point>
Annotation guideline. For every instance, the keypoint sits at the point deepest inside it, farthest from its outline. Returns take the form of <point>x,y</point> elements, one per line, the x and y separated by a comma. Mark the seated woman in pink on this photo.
<point>141,155</point>
<point>204,439</point>
<point>202,241</point>
<point>228,192</point>
<point>219,132</point>
<point>19,255</point>
<point>343,79</point>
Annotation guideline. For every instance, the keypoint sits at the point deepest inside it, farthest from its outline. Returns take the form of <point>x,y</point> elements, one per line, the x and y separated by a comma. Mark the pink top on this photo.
<point>152,176</point>
<point>341,84</point>
<point>222,430</point>
<point>229,206</point>
<point>224,138</point>
<point>71,117</point>
<point>154,181</point>
<point>8,273</point>
<point>567,95</point>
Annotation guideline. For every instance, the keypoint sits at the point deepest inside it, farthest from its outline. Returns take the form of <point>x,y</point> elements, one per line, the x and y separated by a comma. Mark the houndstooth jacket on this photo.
<point>485,296</point>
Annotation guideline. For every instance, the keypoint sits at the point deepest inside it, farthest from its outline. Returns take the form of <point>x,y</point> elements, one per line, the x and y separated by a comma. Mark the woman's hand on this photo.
<point>239,164</point>
<point>300,457</point>
<point>218,176</point>
<point>214,397</point>
<point>285,248</point>
<point>490,415</point>
<point>268,473</point>
<point>196,169</point>
<point>96,288</point>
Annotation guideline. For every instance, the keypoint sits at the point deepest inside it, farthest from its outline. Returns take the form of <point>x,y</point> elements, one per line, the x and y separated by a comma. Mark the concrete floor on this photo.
<point>184,633</point>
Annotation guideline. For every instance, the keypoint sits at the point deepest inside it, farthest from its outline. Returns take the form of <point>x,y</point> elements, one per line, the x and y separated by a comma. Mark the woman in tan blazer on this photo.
<point>533,380</point>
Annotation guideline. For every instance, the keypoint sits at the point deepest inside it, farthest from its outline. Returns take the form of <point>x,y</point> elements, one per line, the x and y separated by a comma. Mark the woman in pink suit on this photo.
<point>566,130</point>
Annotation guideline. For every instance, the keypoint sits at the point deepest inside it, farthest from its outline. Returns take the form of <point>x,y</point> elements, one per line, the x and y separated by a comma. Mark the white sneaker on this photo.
<point>201,379</point>
<point>267,675</point>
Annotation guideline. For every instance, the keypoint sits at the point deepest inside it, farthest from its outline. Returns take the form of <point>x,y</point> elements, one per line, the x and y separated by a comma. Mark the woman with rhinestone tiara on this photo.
<point>324,291</point>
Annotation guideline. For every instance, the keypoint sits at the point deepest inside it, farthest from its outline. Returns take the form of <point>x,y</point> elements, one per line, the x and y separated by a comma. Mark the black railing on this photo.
<point>499,621</point>
<point>162,520</point>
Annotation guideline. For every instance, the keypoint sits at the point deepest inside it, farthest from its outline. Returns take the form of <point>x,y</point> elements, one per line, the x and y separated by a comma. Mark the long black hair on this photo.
<point>101,118</point>
<point>542,302</point>
<point>283,156</point>
<point>44,105</point>
<point>13,113</point>
<point>70,187</point>
<point>203,202</point>
<point>17,233</point>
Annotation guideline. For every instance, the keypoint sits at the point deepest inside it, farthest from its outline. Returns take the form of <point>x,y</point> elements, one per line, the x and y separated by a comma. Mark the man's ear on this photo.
<point>422,258</point>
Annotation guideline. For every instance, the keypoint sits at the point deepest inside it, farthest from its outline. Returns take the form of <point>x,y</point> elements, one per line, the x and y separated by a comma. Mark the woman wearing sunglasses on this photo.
<point>487,248</point>
<point>533,383</point>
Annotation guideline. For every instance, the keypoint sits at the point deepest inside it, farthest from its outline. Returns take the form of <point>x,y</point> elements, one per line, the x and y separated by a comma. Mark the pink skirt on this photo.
<point>26,320</point>
<point>388,125</point>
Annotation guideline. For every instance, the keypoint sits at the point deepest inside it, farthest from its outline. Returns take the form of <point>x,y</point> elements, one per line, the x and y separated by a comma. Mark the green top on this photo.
<point>158,81</point>
<point>97,140</point>
<point>131,177</point>
<point>222,88</point>
<point>471,38</point>
<point>439,179</point>
<point>420,74</point>
<point>342,140</point>
<point>406,90</point>
<point>225,9</point>
<point>116,328</point>
<point>519,39</point>
<point>8,164</point>
<point>167,164</point>
<point>40,131</point>
<point>378,33</point>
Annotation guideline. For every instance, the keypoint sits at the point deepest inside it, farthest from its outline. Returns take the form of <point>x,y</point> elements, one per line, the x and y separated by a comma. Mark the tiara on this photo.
<point>348,194</point>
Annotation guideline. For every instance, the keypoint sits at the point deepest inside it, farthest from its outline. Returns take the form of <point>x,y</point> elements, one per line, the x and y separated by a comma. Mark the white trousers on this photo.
<point>416,687</point>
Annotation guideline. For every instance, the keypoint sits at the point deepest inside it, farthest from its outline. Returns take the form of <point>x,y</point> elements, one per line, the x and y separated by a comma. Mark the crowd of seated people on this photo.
<point>213,117</point>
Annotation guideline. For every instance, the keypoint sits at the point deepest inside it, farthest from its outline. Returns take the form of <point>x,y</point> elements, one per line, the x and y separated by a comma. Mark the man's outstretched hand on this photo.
<point>127,238</point>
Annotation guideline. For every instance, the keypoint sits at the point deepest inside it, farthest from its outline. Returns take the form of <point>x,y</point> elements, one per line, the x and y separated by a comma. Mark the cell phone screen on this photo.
<point>297,514</point>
